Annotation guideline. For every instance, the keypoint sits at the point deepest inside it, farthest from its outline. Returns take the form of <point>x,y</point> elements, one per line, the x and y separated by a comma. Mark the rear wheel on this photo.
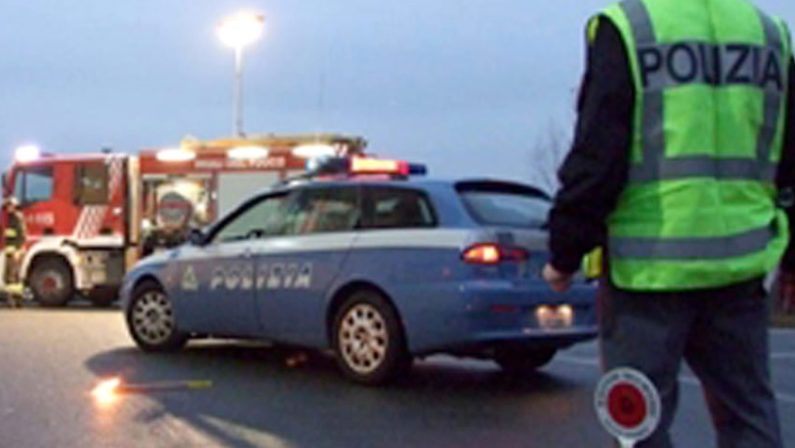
<point>51,282</point>
<point>368,339</point>
<point>524,361</point>
<point>151,322</point>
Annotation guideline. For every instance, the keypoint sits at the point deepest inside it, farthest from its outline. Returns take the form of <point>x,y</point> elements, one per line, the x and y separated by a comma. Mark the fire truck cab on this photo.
<point>89,217</point>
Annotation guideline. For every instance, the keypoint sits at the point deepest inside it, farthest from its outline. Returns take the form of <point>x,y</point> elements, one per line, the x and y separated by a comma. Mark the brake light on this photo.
<point>491,254</point>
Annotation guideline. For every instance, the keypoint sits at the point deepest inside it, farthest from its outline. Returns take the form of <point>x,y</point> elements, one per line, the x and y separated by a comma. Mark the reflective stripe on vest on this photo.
<point>713,248</point>
<point>708,64</point>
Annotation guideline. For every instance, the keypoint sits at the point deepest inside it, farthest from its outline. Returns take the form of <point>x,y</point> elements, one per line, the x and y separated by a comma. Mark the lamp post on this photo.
<point>237,31</point>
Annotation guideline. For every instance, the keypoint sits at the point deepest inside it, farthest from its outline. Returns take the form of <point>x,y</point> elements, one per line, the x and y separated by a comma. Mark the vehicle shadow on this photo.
<point>76,304</point>
<point>299,397</point>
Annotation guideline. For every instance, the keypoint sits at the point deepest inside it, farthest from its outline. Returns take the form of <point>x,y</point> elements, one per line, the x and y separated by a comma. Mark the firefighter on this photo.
<point>685,135</point>
<point>15,235</point>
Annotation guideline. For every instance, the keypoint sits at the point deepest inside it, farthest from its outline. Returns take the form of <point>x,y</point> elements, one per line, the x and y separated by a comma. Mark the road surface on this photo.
<point>50,359</point>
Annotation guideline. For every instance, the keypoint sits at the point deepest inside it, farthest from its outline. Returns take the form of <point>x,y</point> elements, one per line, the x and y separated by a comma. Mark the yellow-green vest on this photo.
<point>699,209</point>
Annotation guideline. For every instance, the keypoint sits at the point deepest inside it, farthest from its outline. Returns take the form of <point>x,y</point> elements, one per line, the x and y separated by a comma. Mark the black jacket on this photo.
<point>595,171</point>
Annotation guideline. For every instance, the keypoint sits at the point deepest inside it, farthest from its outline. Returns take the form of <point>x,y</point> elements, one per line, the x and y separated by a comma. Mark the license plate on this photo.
<point>550,317</point>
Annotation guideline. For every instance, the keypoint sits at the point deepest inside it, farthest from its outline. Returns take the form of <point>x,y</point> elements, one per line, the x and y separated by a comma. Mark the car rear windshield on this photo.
<point>505,204</point>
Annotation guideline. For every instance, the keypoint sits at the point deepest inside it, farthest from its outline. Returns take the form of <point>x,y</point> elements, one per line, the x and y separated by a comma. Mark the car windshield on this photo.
<point>506,208</point>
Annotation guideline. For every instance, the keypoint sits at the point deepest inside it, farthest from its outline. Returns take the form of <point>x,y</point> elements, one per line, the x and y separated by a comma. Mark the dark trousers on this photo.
<point>723,336</point>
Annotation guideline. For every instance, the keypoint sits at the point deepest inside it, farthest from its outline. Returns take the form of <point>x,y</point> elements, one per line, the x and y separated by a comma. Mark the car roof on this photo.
<point>415,182</point>
<point>434,187</point>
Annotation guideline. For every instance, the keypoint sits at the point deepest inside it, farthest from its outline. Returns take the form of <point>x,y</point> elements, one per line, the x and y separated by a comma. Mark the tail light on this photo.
<point>492,254</point>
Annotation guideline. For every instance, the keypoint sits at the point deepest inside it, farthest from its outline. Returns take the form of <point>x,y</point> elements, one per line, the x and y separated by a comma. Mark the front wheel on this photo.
<point>51,282</point>
<point>523,362</point>
<point>151,322</point>
<point>368,339</point>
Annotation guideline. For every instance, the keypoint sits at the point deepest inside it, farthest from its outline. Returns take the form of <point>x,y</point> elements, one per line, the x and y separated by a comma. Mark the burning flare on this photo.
<point>105,392</point>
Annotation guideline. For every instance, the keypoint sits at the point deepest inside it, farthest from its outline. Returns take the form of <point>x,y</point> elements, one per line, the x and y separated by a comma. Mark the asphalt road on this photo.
<point>49,361</point>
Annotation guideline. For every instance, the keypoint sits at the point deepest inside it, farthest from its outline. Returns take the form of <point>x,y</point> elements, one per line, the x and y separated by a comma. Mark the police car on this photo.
<point>377,266</point>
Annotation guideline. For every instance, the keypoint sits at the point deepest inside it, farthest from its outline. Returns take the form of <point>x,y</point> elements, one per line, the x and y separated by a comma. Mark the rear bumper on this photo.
<point>480,316</point>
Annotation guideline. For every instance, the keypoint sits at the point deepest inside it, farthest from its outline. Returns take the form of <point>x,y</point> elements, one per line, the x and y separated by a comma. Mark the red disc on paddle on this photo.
<point>626,404</point>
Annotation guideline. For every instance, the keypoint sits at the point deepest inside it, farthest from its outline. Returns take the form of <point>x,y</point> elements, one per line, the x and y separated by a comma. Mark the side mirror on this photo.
<point>196,237</point>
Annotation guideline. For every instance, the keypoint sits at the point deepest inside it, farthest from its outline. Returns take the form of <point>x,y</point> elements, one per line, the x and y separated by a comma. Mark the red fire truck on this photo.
<point>89,217</point>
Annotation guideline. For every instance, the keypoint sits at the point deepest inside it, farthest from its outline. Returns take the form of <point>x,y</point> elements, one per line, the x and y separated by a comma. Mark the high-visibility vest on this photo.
<point>699,209</point>
<point>14,233</point>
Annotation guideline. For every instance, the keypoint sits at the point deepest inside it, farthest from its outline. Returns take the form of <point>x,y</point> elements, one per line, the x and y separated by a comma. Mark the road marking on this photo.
<point>684,379</point>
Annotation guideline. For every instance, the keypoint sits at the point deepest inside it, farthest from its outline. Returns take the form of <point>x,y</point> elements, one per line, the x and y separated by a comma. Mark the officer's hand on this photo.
<point>558,281</point>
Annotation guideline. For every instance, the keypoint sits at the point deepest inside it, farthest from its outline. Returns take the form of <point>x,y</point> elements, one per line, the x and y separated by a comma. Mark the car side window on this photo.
<point>323,210</point>
<point>264,218</point>
<point>398,208</point>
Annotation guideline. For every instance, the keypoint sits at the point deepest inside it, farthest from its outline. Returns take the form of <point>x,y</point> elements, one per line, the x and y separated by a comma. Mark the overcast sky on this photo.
<point>467,86</point>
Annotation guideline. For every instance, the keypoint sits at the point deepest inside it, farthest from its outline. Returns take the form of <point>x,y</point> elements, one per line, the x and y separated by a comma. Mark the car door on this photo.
<point>217,278</point>
<point>295,270</point>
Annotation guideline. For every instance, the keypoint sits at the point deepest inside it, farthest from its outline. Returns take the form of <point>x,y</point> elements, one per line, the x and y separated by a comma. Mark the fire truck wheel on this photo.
<point>51,282</point>
<point>150,320</point>
<point>103,295</point>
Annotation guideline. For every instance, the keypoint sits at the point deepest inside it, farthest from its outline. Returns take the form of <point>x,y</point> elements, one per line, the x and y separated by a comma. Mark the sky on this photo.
<point>470,87</point>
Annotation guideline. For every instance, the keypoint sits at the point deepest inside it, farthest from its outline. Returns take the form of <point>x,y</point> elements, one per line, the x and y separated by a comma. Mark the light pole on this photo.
<point>238,31</point>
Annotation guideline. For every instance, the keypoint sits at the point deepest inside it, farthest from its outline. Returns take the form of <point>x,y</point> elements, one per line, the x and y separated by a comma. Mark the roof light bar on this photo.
<point>360,165</point>
<point>342,166</point>
<point>363,165</point>
<point>314,150</point>
<point>248,153</point>
<point>175,155</point>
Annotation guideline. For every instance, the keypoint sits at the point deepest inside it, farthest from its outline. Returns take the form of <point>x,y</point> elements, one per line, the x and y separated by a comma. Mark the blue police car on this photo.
<point>377,266</point>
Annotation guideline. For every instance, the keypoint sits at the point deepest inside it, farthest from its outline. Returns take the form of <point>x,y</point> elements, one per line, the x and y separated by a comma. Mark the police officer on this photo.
<point>15,236</point>
<point>685,133</point>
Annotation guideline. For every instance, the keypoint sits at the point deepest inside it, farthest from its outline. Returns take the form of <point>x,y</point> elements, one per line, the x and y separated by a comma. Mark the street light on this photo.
<point>237,31</point>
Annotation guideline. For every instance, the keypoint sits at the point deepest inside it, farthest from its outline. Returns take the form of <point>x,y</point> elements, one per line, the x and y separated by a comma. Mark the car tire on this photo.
<point>51,282</point>
<point>151,322</point>
<point>103,296</point>
<point>522,362</point>
<point>368,339</point>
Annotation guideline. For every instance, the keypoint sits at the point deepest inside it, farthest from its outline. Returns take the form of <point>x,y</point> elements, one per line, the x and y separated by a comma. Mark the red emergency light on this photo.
<point>361,165</point>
